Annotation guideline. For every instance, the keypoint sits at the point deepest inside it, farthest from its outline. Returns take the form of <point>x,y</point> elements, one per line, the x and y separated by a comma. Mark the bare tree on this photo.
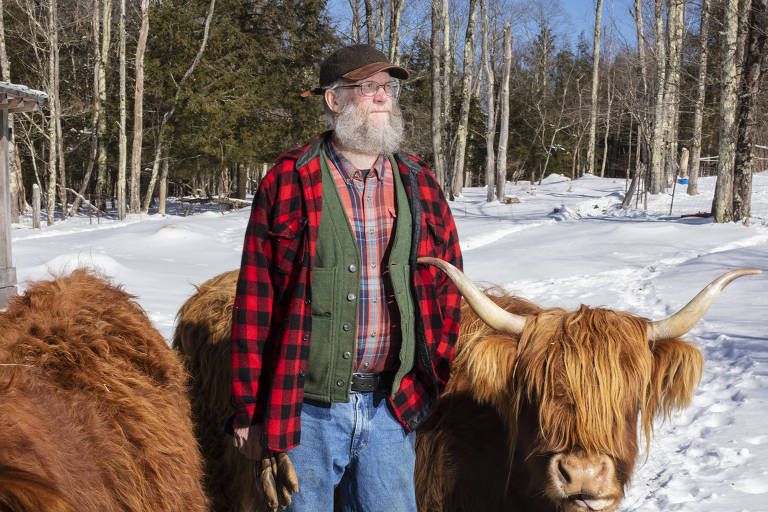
<point>501,155</point>
<point>355,6</point>
<point>16,185</point>
<point>657,149</point>
<point>595,84</point>
<point>675,29</point>
<point>138,107</point>
<point>396,12</point>
<point>369,23</point>
<point>755,61</point>
<point>101,162</point>
<point>466,92</point>
<point>490,162</point>
<point>437,122</point>
<point>52,85</point>
<point>698,109</point>
<point>445,112</point>
<point>722,207</point>
<point>123,140</point>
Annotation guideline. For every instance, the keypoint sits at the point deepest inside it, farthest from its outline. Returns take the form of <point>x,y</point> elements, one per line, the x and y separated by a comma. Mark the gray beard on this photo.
<point>353,131</point>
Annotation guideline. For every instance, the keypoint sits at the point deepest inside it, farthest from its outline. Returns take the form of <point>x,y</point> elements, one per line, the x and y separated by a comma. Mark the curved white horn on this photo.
<point>684,320</point>
<point>485,308</point>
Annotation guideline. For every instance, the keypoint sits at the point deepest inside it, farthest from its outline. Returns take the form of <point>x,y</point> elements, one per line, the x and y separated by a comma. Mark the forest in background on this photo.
<point>197,97</point>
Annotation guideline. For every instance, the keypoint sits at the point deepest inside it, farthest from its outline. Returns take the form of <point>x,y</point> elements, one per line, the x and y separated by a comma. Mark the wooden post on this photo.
<point>35,206</point>
<point>7,271</point>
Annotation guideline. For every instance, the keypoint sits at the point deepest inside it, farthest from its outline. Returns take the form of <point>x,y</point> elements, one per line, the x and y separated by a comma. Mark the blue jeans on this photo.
<point>360,447</point>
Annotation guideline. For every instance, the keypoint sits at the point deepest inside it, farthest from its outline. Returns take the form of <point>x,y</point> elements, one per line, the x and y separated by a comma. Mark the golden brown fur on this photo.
<point>203,329</point>
<point>94,402</point>
<point>22,491</point>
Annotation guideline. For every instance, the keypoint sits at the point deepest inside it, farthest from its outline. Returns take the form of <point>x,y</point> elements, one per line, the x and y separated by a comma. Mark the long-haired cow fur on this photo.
<point>94,411</point>
<point>572,382</point>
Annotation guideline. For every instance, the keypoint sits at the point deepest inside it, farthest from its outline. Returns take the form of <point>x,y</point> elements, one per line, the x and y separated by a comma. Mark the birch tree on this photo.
<point>396,12</point>
<point>445,111</point>
<point>466,91</point>
<point>490,134</point>
<point>101,166</point>
<point>437,118</point>
<point>657,141</point>
<point>123,141</point>
<point>501,155</point>
<point>369,23</point>
<point>675,28</point>
<point>595,84</point>
<point>53,41</point>
<point>698,109</point>
<point>138,108</point>
<point>755,61</point>
<point>722,207</point>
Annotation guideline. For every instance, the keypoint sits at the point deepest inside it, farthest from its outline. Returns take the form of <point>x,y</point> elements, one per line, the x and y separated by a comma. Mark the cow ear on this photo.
<point>484,365</point>
<point>676,372</point>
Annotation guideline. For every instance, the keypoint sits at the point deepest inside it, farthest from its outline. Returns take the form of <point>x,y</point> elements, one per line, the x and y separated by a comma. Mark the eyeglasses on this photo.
<point>370,88</point>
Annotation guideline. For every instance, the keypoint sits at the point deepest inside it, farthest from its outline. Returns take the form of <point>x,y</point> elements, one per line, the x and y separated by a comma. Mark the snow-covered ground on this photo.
<point>566,243</point>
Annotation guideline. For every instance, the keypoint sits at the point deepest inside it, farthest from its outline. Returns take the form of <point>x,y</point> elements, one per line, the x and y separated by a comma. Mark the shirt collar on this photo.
<point>349,171</point>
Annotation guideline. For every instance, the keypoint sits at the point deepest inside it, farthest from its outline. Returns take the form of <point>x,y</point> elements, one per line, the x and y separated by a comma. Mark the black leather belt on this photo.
<point>370,382</point>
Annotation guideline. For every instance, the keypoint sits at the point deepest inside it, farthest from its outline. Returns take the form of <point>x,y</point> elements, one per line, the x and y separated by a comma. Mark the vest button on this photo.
<point>305,337</point>
<point>347,326</point>
<point>350,297</point>
<point>346,355</point>
<point>353,268</point>
<point>340,382</point>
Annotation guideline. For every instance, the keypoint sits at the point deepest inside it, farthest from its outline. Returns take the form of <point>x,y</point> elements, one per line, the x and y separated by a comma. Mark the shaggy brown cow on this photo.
<point>95,415</point>
<point>540,413</point>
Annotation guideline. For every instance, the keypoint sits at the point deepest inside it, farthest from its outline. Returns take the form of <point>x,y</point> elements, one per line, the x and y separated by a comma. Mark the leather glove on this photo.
<point>278,479</point>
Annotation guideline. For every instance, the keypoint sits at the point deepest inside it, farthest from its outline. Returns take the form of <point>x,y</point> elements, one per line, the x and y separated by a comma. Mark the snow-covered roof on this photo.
<point>20,98</point>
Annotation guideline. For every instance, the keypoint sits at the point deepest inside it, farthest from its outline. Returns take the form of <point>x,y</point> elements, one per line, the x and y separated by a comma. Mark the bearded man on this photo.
<point>341,342</point>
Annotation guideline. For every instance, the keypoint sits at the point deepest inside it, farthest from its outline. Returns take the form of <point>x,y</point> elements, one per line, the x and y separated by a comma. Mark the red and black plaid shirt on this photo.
<point>272,316</point>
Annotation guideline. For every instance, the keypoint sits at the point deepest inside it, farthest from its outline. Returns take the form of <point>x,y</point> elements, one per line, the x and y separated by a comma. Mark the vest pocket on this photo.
<point>318,369</point>
<point>323,286</point>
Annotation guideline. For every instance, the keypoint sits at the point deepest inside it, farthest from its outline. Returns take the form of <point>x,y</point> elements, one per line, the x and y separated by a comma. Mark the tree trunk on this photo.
<point>445,113</point>
<point>466,90</point>
<point>490,134</point>
<point>698,108</point>
<point>101,161</point>
<point>123,141</point>
<point>369,23</point>
<point>138,108</point>
<point>644,107</point>
<point>394,30</point>
<point>501,156</point>
<point>595,84</point>
<point>657,148</point>
<point>53,41</point>
<point>755,61</point>
<point>436,125</point>
<point>355,6</point>
<point>163,192</point>
<point>62,185</point>
<point>675,28</point>
<point>722,203</point>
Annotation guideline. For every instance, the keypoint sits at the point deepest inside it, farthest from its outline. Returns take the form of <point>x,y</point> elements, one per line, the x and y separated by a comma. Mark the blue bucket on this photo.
<point>682,181</point>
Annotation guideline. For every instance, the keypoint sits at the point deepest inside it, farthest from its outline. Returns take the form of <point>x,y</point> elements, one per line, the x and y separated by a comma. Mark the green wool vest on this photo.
<point>335,290</point>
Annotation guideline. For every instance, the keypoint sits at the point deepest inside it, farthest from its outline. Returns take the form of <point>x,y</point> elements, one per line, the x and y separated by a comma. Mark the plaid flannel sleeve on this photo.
<point>252,312</point>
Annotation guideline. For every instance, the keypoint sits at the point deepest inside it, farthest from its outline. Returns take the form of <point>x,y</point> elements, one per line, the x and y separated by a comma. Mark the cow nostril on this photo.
<point>563,472</point>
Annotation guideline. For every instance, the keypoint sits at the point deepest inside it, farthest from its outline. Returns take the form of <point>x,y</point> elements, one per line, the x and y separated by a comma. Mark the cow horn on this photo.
<point>485,308</point>
<point>684,320</point>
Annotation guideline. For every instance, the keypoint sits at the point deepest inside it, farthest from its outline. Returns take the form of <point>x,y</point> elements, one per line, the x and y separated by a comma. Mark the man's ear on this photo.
<point>332,99</point>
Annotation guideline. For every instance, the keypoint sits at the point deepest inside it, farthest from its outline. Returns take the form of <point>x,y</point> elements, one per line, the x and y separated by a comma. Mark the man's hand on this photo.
<point>247,440</point>
<point>277,476</point>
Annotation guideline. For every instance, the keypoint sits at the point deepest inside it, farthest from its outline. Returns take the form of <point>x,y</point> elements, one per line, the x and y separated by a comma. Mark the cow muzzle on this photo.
<point>580,483</point>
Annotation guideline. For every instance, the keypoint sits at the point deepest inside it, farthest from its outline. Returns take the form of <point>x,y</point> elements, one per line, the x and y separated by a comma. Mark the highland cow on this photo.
<point>95,414</point>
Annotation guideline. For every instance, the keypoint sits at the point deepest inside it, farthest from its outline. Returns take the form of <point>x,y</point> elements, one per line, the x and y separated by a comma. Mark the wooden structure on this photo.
<point>13,98</point>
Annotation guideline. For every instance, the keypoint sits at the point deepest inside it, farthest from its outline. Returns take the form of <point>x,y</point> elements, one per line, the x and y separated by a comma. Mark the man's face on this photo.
<point>377,109</point>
